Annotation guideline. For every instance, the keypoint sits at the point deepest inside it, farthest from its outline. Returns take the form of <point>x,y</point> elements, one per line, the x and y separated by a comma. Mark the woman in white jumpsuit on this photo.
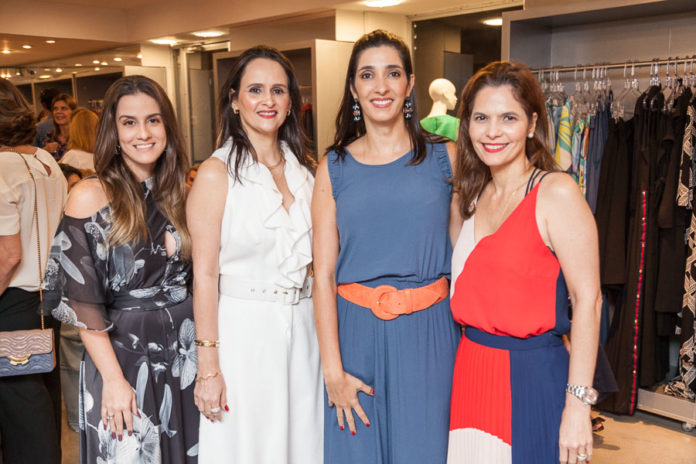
<point>259,383</point>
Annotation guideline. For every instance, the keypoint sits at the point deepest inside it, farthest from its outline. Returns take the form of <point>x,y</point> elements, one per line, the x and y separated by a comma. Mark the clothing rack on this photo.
<point>625,65</point>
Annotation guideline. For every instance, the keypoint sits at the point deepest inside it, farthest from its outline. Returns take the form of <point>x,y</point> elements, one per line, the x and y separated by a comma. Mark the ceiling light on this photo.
<point>104,63</point>
<point>26,46</point>
<point>95,61</point>
<point>381,3</point>
<point>18,73</point>
<point>6,52</point>
<point>118,59</point>
<point>139,56</point>
<point>165,41</point>
<point>50,41</point>
<point>96,69</point>
<point>493,22</point>
<point>59,69</point>
<point>78,64</point>
<point>47,69</point>
<point>45,76</point>
<point>208,34</point>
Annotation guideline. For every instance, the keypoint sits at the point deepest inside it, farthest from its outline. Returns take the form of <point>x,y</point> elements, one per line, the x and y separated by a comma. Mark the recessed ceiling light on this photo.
<point>6,52</point>
<point>47,69</point>
<point>78,64</point>
<point>96,69</point>
<point>493,22</point>
<point>45,76</point>
<point>26,46</point>
<point>381,3</point>
<point>95,61</point>
<point>104,63</point>
<point>139,56</point>
<point>165,41</point>
<point>18,73</point>
<point>118,58</point>
<point>208,34</point>
<point>59,69</point>
<point>50,41</point>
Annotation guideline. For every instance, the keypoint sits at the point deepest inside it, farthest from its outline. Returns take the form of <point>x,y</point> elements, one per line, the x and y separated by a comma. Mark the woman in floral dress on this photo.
<point>119,269</point>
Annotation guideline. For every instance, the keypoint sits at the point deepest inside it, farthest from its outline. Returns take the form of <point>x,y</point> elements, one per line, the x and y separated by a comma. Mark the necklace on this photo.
<point>271,168</point>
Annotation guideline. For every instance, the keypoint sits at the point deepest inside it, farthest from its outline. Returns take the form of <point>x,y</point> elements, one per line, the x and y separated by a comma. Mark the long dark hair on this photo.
<point>347,130</point>
<point>471,174</point>
<point>230,124</point>
<point>122,188</point>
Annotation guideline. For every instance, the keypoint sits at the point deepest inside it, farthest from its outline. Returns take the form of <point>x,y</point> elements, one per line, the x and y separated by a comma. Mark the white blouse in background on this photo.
<point>17,209</point>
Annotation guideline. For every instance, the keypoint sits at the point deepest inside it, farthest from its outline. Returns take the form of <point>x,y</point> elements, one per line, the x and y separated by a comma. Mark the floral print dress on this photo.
<point>140,296</point>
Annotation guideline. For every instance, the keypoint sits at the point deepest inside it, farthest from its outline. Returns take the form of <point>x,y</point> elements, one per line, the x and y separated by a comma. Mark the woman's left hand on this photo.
<point>575,435</point>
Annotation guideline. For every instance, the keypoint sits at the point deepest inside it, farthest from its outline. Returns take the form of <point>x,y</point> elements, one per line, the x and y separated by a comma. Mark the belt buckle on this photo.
<point>382,302</point>
<point>291,296</point>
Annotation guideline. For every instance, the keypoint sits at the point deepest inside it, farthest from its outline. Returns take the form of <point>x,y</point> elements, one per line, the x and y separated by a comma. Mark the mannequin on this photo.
<point>443,94</point>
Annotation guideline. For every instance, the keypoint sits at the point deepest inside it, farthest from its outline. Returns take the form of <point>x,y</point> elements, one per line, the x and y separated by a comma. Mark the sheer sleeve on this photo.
<point>76,288</point>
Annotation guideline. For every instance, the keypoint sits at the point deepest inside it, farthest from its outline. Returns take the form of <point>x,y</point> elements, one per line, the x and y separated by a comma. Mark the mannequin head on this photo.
<point>443,91</point>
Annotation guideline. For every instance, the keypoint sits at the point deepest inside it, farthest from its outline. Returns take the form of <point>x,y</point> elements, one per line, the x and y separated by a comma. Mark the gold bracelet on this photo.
<point>208,343</point>
<point>207,377</point>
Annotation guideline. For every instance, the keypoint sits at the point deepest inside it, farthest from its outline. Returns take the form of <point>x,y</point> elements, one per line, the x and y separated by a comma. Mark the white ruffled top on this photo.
<point>260,240</point>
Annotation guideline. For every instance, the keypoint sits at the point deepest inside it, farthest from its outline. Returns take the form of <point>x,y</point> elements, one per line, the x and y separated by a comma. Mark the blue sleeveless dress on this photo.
<point>393,230</point>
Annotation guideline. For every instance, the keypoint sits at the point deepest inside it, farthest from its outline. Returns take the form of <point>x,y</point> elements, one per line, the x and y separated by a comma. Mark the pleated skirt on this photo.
<point>508,395</point>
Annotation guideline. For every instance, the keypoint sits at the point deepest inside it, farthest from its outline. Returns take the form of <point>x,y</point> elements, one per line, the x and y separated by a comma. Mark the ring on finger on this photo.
<point>215,410</point>
<point>582,457</point>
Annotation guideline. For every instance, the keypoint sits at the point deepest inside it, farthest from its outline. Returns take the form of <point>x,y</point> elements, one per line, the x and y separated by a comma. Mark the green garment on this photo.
<point>444,125</point>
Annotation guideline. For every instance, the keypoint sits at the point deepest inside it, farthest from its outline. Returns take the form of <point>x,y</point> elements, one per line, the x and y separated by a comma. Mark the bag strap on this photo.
<point>35,220</point>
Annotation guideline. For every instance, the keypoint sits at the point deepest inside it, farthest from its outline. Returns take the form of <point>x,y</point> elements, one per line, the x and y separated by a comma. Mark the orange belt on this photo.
<point>386,302</point>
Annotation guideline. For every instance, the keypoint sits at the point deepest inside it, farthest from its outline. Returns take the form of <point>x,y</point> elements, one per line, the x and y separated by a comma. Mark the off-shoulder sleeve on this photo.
<point>76,288</point>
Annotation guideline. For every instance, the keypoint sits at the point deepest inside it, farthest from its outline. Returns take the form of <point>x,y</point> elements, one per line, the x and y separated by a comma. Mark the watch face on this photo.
<point>590,396</point>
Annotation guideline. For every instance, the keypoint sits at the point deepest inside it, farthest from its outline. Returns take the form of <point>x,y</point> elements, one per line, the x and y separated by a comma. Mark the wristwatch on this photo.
<point>587,395</point>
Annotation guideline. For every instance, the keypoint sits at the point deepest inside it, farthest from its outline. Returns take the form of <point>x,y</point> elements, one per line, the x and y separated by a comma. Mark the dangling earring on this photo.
<point>118,149</point>
<point>530,135</point>
<point>357,115</point>
<point>235,110</point>
<point>289,112</point>
<point>408,108</point>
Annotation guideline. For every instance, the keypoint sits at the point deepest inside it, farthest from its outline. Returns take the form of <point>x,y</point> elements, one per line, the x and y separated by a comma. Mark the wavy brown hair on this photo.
<point>122,188</point>
<point>17,119</point>
<point>471,174</point>
<point>230,123</point>
<point>348,130</point>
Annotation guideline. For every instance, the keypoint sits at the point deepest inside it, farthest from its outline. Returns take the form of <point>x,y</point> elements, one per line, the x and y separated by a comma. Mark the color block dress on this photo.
<point>393,230</point>
<point>511,370</point>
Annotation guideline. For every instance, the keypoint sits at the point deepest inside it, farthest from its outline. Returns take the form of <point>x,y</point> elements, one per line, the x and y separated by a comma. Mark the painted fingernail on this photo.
<point>367,425</point>
<point>372,391</point>
<point>113,434</point>
<point>341,427</point>
<point>120,438</point>
<point>130,433</point>
<point>353,432</point>
<point>104,425</point>
<point>227,408</point>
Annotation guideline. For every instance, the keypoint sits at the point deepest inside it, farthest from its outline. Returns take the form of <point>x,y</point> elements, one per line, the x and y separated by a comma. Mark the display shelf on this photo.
<point>656,401</point>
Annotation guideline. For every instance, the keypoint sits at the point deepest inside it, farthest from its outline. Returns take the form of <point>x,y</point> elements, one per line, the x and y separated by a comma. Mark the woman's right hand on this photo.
<point>118,406</point>
<point>51,147</point>
<point>210,396</point>
<point>343,394</point>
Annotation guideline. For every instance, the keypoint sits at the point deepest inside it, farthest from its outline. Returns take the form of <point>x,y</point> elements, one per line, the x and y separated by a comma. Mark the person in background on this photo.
<point>382,219</point>
<point>83,132</point>
<point>529,241</point>
<point>56,142</point>
<point>30,404</point>
<point>191,176</point>
<point>45,125</point>
<point>259,374</point>
<point>120,271</point>
<point>72,175</point>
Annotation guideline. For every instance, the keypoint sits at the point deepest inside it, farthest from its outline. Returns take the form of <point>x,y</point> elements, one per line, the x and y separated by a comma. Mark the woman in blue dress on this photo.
<point>381,216</point>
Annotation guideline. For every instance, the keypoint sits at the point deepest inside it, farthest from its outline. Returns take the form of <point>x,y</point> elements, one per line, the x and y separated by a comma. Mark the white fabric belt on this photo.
<point>264,291</point>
